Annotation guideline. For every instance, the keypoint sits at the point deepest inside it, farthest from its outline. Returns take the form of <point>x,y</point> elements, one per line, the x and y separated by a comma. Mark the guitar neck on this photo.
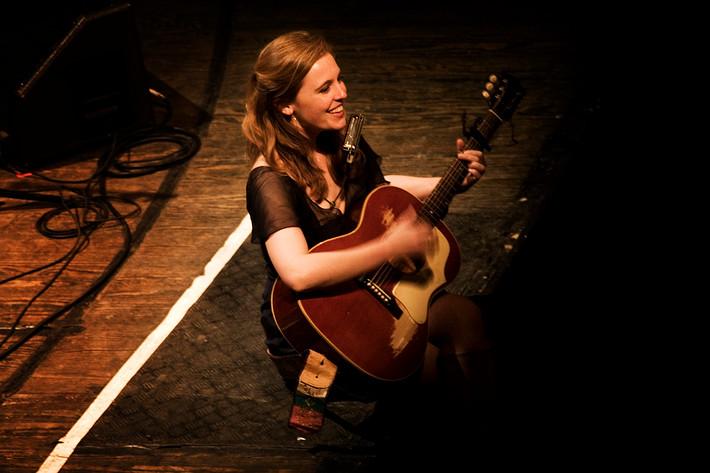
<point>436,205</point>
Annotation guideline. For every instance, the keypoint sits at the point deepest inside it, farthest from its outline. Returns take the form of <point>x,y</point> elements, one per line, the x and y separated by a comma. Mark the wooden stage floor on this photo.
<point>135,354</point>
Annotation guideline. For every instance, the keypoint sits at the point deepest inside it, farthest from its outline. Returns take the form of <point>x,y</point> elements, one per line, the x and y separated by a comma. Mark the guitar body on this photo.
<point>349,321</point>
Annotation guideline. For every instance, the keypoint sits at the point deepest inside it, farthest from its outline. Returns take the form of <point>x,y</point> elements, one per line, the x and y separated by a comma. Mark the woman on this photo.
<point>300,188</point>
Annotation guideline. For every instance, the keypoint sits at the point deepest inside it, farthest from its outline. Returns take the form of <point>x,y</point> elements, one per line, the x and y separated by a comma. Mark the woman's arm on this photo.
<point>301,270</point>
<point>421,187</point>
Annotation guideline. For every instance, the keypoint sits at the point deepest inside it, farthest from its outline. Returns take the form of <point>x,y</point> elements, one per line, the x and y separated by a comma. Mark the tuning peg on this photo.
<point>493,78</point>
<point>489,87</point>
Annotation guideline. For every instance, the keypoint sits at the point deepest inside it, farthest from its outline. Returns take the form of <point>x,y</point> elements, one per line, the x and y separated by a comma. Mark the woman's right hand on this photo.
<point>408,236</point>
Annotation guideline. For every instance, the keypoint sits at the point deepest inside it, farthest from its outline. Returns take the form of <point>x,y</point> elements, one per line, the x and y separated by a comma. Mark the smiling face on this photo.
<point>318,105</point>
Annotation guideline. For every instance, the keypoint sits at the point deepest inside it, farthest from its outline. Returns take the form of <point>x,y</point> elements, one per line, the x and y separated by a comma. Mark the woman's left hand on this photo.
<point>475,162</point>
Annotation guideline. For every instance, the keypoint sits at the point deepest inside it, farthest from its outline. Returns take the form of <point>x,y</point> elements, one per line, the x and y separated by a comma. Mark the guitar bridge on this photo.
<point>382,296</point>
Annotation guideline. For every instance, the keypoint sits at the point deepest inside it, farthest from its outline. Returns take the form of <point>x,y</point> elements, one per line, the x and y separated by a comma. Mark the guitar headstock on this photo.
<point>504,93</point>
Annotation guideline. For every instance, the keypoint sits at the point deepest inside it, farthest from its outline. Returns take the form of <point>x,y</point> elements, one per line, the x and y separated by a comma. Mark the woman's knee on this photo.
<point>456,325</point>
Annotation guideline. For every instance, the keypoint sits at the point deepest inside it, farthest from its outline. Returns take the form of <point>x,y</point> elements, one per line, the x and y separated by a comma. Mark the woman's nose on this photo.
<point>341,91</point>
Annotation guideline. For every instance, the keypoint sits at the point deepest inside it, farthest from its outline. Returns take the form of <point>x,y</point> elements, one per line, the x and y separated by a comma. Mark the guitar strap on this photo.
<point>308,410</point>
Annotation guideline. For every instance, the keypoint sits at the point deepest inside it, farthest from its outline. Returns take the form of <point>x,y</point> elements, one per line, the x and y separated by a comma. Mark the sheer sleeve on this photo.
<point>270,203</point>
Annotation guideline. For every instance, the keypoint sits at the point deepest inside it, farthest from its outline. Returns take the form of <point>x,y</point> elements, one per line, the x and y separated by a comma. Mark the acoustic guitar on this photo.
<point>378,322</point>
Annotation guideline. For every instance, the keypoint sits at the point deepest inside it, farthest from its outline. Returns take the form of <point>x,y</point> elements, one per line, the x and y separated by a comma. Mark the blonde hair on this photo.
<point>276,79</point>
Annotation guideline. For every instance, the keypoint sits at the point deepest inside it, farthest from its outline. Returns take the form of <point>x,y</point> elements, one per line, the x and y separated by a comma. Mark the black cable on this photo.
<point>90,212</point>
<point>84,296</point>
<point>123,164</point>
<point>81,242</point>
<point>96,213</point>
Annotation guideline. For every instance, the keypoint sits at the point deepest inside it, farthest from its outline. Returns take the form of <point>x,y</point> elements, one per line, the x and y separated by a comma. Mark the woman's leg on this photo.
<point>460,357</point>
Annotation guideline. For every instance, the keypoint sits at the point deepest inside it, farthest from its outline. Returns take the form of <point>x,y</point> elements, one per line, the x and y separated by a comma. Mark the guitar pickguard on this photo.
<point>414,290</point>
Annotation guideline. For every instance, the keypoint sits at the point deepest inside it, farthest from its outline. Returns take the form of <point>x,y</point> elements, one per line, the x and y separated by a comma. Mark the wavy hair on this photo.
<point>275,81</point>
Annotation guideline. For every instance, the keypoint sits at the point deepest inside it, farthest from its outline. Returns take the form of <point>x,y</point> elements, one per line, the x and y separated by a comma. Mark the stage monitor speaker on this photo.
<point>90,86</point>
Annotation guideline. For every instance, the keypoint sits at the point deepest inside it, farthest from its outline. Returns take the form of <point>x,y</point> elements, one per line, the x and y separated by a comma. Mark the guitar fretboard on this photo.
<point>437,204</point>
